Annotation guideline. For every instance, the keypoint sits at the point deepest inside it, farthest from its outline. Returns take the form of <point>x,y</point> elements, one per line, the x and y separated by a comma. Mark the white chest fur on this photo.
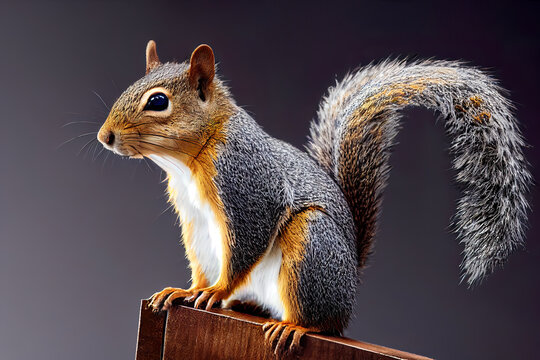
<point>206,242</point>
<point>262,285</point>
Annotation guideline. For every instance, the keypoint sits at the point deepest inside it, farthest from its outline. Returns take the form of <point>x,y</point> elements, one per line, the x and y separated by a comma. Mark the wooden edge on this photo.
<point>371,348</point>
<point>151,334</point>
<point>316,338</point>
<point>192,333</point>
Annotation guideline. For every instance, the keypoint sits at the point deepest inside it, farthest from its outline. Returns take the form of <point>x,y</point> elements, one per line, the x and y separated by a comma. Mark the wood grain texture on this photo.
<point>226,334</point>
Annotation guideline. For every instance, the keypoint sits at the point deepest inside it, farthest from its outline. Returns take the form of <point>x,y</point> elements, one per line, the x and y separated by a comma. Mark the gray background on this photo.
<point>83,239</point>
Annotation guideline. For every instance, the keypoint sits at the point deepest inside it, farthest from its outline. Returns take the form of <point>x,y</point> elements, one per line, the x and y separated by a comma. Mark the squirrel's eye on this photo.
<point>157,102</point>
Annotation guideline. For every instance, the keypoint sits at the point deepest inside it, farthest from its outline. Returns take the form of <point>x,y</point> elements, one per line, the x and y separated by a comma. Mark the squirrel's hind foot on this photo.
<point>284,338</point>
<point>162,300</point>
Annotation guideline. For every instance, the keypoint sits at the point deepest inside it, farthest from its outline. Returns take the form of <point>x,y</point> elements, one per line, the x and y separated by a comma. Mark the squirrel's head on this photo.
<point>174,109</point>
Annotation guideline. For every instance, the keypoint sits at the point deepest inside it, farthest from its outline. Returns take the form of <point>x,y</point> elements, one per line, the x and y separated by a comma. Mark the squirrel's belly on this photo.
<point>206,240</point>
<point>261,288</point>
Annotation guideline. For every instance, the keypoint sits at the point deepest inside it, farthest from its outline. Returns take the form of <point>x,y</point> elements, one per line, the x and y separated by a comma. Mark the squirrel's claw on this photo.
<point>177,294</point>
<point>193,297</point>
<point>213,299</point>
<point>282,341</point>
<point>277,336</point>
<point>162,300</point>
<point>202,298</point>
<point>209,296</point>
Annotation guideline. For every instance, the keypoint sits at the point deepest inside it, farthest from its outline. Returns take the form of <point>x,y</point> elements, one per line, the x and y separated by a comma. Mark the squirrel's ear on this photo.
<point>201,69</point>
<point>152,59</point>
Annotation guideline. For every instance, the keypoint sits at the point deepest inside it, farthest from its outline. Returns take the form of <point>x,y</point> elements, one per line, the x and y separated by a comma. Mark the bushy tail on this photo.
<point>355,130</point>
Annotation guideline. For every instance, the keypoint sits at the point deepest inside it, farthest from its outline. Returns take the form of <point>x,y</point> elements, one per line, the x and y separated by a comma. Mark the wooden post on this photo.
<point>188,333</point>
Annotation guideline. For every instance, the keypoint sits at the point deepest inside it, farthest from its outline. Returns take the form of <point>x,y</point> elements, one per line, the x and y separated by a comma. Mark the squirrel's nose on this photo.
<point>109,139</point>
<point>106,137</point>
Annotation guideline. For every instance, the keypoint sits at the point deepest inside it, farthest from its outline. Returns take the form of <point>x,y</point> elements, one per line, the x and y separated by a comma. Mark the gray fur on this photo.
<point>263,182</point>
<point>327,275</point>
<point>487,153</point>
<point>252,188</point>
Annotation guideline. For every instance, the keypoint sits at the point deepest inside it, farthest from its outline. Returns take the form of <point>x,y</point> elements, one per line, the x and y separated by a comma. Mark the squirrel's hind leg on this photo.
<point>316,281</point>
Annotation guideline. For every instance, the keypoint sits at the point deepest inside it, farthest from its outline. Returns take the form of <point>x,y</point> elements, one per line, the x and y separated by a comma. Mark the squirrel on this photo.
<point>289,231</point>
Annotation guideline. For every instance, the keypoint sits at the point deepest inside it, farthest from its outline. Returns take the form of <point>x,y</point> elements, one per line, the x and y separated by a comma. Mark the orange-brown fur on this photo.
<point>292,239</point>
<point>482,117</point>
<point>474,106</point>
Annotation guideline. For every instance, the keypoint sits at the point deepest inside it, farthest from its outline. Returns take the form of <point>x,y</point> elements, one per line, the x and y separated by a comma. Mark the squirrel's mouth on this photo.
<point>125,150</point>
<point>132,153</point>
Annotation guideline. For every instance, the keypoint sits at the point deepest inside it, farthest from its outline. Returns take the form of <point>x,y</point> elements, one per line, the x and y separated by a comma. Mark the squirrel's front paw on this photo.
<point>209,295</point>
<point>162,300</point>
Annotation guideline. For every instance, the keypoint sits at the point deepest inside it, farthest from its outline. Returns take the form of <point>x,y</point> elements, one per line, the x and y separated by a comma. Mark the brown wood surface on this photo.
<point>187,333</point>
